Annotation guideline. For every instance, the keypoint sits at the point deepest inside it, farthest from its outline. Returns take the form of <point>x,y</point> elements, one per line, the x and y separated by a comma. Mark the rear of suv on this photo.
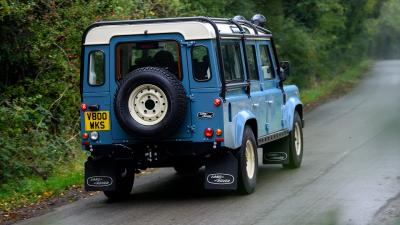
<point>185,93</point>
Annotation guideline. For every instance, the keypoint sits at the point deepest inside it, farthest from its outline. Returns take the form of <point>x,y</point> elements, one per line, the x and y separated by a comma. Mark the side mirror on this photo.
<point>285,69</point>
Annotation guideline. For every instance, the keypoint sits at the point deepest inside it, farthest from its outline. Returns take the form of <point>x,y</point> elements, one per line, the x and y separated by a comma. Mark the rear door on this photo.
<point>272,93</point>
<point>203,78</point>
<point>126,55</point>
<point>96,92</point>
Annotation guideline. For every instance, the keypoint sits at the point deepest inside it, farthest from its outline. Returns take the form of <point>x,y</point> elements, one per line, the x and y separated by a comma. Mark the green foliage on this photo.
<point>18,193</point>
<point>40,48</point>
<point>385,31</point>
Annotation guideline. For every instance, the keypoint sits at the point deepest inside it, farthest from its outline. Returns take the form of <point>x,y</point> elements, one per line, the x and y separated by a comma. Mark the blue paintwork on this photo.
<point>264,104</point>
<point>293,100</point>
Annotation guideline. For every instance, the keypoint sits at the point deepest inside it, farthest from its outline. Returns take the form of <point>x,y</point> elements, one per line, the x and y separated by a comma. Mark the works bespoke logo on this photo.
<point>99,181</point>
<point>220,178</point>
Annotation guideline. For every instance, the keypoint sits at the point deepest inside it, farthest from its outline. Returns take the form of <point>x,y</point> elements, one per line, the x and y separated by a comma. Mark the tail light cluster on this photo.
<point>209,133</point>
<point>94,135</point>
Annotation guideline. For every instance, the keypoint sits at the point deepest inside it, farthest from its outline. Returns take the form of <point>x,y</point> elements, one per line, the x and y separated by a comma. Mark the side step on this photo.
<point>277,151</point>
<point>272,137</point>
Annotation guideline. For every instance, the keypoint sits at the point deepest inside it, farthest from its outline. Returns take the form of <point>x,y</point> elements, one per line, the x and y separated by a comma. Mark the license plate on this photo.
<point>99,120</point>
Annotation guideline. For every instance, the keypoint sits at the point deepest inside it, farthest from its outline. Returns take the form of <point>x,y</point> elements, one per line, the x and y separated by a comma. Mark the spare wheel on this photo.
<point>150,102</point>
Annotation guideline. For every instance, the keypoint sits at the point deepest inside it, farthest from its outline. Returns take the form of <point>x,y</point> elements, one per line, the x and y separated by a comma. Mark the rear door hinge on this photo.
<point>191,128</point>
<point>191,97</point>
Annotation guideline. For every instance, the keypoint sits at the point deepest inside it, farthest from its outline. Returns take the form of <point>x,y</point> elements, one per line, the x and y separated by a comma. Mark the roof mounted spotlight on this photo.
<point>259,20</point>
<point>238,18</point>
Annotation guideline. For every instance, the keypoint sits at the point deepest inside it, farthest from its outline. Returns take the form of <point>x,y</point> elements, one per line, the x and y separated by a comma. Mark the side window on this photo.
<point>252,62</point>
<point>96,68</point>
<point>233,65</point>
<point>201,63</point>
<point>266,65</point>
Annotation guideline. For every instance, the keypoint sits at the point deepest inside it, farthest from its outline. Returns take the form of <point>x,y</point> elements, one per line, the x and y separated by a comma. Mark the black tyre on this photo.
<point>150,102</point>
<point>248,163</point>
<point>295,139</point>
<point>124,183</point>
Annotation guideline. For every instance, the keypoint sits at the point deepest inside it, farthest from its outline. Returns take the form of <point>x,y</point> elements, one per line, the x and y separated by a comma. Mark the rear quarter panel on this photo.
<point>292,100</point>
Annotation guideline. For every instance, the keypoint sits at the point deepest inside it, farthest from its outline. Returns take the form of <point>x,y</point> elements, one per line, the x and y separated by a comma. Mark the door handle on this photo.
<point>269,102</point>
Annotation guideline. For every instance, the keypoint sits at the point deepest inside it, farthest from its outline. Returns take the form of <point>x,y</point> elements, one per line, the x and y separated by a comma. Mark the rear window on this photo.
<point>134,55</point>
<point>96,68</point>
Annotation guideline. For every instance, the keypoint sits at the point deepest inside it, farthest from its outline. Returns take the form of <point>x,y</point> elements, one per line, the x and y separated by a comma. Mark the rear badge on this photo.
<point>99,181</point>
<point>220,178</point>
<point>205,115</point>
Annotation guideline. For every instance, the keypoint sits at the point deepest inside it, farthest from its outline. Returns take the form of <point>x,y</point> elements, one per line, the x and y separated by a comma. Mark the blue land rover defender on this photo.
<point>185,93</point>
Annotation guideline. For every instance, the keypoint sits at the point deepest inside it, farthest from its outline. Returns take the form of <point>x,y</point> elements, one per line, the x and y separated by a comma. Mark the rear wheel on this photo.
<point>295,144</point>
<point>248,163</point>
<point>124,183</point>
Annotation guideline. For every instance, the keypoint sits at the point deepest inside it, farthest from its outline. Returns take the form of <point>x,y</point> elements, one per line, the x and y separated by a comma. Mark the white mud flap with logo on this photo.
<point>99,176</point>
<point>221,173</point>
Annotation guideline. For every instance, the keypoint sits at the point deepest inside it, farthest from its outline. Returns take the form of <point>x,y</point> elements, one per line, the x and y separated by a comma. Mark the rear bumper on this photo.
<point>163,154</point>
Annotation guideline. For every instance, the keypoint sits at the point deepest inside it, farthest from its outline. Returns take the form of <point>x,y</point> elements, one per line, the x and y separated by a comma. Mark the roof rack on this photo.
<point>212,21</point>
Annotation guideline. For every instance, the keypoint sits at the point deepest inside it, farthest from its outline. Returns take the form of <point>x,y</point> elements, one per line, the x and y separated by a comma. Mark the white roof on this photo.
<point>191,30</point>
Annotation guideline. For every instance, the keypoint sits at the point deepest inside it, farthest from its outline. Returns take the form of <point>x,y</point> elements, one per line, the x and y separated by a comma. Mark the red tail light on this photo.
<point>85,135</point>
<point>83,106</point>
<point>208,132</point>
<point>217,102</point>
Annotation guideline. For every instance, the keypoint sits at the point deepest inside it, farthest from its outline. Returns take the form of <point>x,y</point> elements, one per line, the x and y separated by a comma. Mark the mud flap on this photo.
<point>100,176</point>
<point>221,173</point>
<point>276,152</point>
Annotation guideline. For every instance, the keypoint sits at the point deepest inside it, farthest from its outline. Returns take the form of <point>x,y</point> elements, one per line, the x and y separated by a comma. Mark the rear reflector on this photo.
<point>219,139</point>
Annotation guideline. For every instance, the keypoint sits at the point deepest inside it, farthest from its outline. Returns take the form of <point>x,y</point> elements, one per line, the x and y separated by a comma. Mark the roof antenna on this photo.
<point>259,20</point>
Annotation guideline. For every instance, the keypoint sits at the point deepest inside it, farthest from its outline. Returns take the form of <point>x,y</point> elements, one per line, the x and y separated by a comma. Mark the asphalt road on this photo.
<point>350,174</point>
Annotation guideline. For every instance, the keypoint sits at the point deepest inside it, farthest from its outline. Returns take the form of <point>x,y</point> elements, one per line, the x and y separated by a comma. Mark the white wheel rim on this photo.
<point>297,138</point>
<point>148,104</point>
<point>250,159</point>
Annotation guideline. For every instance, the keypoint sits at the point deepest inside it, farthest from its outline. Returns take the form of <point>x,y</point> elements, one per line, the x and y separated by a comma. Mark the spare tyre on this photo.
<point>150,102</point>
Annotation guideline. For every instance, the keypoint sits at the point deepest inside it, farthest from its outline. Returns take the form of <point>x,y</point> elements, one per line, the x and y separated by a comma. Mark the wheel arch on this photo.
<point>299,110</point>
<point>235,129</point>
<point>252,123</point>
<point>292,105</point>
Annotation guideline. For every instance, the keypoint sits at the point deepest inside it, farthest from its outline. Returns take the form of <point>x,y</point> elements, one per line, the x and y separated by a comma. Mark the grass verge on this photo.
<point>31,190</point>
<point>327,89</point>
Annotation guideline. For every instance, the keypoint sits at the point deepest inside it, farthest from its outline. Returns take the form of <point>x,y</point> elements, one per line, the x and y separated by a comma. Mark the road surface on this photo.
<point>350,174</point>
